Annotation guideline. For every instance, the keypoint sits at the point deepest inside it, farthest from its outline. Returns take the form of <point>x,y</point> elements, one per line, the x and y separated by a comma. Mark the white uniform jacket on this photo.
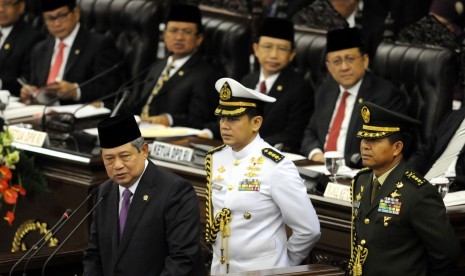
<point>263,195</point>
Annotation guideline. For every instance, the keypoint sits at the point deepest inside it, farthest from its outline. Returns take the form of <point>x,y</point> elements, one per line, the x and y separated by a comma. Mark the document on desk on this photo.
<point>158,131</point>
<point>343,170</point>
<point>23,112</point>
<point>79,110</point>
<point>455,198</point>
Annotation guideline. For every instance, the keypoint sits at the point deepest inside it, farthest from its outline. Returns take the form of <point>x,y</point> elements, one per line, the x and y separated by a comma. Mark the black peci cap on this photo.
<point>117,131</point>
<point>51,5</point>
<point>277,28</point>
<point>185,13</point>
<point>341,39</point>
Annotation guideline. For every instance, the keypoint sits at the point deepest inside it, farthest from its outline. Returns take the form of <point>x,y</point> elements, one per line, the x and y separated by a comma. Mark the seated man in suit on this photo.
<point>335,118</point>
<point>70,56</point>
<point>182,90</point>
<point>288,116</point>
<point>444,154</point>
<point>17,39</point>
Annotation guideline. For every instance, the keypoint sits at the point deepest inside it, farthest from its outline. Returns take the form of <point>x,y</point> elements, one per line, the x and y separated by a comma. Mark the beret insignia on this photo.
<point>365,114</point>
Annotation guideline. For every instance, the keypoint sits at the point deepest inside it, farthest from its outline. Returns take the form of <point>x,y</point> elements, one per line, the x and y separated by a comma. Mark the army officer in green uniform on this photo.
<point>399,222</point>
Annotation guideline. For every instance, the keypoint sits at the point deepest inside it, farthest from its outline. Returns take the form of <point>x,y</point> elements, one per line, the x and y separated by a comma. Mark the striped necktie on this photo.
<point>164,77</point>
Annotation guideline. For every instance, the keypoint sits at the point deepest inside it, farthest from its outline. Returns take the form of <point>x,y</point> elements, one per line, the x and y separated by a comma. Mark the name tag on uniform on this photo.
<point>217,187</point>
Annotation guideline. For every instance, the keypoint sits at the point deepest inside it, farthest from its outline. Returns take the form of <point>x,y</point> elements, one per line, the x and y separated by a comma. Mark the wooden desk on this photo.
<point>311,269</point>
<point>71,177</point>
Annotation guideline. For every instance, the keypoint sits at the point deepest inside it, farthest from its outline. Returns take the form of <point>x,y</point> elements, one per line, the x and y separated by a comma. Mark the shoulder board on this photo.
<point>415,179</point>
<point>215,149</point>
<point>362,171</point>
<point>273,154</point>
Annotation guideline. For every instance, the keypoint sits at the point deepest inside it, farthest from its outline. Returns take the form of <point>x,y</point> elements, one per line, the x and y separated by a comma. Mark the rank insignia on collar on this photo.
<point>358,197</point>
<point>146,197</point>
<point>399,184</point>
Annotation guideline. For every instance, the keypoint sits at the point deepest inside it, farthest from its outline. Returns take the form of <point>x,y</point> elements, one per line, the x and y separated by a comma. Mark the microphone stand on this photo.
<point>68,213</point>
<point>70,234</point>
<point>44,127</point>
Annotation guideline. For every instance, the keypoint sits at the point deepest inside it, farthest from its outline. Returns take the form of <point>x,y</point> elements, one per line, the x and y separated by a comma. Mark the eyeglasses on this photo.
<point>60,18</point>
<point>186,32</point>
<point>8,3</point>
<point>348,60</point>
<point>267,48</point>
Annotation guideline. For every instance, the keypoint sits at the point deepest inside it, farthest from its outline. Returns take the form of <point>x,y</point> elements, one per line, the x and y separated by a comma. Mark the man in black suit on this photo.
<point>17,39</point>
<point>288,116</point>
<point>70,56</point>
<point>444,154</point>
<point>182,90</point>
<point>399,221</point>
<point>335,118</point>
<point>148,222</point>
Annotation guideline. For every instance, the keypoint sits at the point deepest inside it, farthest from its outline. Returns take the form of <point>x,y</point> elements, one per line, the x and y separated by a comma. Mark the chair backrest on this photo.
<point>227,42</point>
<point>133,24</point>
<point>310,60</point>
<point>428,75</point>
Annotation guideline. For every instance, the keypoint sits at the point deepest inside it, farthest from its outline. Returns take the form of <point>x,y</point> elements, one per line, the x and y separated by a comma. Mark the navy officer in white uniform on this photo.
<point>253,191</point>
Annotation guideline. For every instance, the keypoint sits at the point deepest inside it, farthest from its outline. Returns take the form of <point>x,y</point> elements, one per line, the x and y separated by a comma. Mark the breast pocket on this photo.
<point>390,231</point>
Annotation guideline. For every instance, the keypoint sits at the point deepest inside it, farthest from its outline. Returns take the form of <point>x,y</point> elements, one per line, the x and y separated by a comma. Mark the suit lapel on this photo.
<point>44,64</point>
<point>140,201</point>
<point>114,219</point>
<point>180,74</point>
<point>9,45</point>
<point>75,51</point>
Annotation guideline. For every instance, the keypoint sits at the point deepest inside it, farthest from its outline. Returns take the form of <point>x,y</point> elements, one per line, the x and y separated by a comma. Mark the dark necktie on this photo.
<point>331,144</point>
<point>374,189</point>
<point>123,214</point>
<point>263,87</point>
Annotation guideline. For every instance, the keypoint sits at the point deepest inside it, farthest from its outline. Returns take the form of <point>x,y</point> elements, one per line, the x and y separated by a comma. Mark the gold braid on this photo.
<point>358,253</point>
<point>223,217</point>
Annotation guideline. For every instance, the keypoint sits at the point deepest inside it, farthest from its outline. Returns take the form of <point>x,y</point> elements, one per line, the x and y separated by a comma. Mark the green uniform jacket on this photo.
<point>419,240</point>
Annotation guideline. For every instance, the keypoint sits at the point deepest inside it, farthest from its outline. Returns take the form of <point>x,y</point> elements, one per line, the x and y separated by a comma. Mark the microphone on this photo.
<point>65,216</point>
<point>92,193</point>
<point>58,226</point>
<point>66,121</point>
<point>74,230</point>
<point>69,91</point>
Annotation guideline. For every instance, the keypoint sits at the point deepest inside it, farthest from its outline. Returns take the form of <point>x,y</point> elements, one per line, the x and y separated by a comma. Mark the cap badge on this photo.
<point>225,92</point>
<point>366,114</point>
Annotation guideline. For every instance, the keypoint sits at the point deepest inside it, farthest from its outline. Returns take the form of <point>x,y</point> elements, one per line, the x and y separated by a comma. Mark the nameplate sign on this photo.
<point>171,152</point>
<point>28,136</point>
<point>338,191</point>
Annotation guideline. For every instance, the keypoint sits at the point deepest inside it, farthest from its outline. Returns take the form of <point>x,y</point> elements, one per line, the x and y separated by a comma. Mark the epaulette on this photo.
<point>362,171</point>
<point>215,149</point>
<point>273,154</point>
<point>415,179</point>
